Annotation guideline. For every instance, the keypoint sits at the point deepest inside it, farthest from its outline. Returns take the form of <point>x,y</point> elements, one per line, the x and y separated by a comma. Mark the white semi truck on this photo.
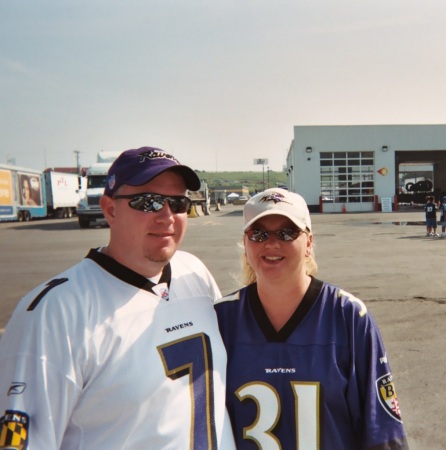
<point>89,210</point>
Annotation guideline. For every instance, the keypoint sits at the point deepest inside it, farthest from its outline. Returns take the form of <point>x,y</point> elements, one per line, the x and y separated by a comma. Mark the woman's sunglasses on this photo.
<point>148,202</point>
<point>285,234</point>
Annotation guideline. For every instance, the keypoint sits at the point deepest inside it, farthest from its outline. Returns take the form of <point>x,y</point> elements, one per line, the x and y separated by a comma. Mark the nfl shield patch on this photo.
<point>112,182</point>
<point>162,291</point>
<point>14,427</point>
<point>387,396</point>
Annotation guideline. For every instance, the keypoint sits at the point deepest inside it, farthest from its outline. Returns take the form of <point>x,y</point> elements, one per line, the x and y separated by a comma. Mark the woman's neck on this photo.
<point>281,300</point>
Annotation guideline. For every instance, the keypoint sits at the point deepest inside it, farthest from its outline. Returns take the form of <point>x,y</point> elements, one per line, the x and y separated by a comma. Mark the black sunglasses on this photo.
<point>147,202</point>
<point>285,234</point>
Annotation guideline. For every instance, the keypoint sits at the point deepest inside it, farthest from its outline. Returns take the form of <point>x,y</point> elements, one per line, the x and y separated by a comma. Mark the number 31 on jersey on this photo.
<point>306,411</point>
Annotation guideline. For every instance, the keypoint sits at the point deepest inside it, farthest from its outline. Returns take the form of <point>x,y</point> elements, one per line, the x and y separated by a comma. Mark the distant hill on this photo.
<point>252,180</point>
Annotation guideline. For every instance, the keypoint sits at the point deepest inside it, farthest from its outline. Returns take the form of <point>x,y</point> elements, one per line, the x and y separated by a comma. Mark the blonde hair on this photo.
<point>248,276</point>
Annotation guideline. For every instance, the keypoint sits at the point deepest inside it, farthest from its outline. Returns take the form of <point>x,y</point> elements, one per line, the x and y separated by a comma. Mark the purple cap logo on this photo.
<point>155,154</point>
<point>276,197</point>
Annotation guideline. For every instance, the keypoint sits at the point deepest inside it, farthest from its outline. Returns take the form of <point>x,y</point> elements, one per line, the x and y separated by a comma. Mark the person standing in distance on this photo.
<point>307,368</point>
<point>122,351</point>
<point>443,217</point>
<point>430,209</point>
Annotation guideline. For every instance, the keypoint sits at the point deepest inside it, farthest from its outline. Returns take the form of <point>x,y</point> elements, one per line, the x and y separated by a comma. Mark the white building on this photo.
<point>360,168</point>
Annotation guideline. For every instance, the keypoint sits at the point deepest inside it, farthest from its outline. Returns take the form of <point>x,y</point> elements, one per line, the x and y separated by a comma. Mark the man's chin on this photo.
<point>161,257</point>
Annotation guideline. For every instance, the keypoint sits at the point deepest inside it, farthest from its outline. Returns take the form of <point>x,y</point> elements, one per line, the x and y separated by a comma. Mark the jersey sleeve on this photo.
<point>36,394</point>
<point>371,391</point>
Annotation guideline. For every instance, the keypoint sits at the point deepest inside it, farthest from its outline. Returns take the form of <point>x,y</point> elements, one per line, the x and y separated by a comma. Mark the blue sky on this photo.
<point>216,83</point>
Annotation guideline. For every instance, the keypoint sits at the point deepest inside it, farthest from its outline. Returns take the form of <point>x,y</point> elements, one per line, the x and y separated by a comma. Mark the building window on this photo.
<point>347,177</point>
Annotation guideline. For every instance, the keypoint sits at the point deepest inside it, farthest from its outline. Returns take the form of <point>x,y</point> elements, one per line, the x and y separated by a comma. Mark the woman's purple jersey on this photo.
<point>322,382</point>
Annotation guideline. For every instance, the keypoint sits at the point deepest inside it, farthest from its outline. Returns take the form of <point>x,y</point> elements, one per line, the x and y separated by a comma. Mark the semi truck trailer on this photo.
<point>27,194</point>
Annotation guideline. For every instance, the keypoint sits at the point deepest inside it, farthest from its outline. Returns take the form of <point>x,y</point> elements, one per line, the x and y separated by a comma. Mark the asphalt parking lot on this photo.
<point>383,258</point>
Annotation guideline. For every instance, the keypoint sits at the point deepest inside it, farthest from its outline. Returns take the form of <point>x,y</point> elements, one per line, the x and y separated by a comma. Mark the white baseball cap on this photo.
<point>277,201</point>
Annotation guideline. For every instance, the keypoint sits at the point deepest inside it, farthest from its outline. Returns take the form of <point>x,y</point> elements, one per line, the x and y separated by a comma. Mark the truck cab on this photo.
<point>89,210</point>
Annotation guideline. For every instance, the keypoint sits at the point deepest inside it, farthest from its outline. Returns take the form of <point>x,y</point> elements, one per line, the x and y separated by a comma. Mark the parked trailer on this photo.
<point>63,193</point>
<point>22,194</point>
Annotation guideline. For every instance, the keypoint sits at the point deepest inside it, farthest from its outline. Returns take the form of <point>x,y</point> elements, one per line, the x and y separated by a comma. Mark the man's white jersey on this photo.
<point>94,359</point>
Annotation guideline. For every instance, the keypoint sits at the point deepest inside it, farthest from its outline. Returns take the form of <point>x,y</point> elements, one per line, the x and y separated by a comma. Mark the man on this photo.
<point>121,351</point>
<point>430,209</point>
<point>443,217</point>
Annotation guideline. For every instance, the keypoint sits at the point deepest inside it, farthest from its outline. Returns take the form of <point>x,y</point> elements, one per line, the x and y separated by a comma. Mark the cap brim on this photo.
<point>276,212</point>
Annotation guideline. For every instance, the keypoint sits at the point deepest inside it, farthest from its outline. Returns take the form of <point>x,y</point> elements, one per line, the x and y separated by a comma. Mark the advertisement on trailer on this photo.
<point>30,190</point>
<point>5,188</point>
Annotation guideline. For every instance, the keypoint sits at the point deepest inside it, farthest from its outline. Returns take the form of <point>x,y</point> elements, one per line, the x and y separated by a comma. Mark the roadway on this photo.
<point>382,258</point>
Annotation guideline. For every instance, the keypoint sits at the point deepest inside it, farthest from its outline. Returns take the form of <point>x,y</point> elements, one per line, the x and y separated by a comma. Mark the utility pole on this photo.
<point>77,162</point>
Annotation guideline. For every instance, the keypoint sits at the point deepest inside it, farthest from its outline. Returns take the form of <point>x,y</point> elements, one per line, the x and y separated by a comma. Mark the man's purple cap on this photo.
<point>139,166</point>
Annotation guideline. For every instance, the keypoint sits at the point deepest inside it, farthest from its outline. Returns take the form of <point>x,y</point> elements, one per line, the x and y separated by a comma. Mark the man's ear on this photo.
<point>108,206</point>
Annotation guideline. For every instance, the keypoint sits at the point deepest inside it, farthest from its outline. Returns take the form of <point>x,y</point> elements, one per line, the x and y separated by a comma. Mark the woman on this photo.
<point>26,191</point>
<point>307,367</point>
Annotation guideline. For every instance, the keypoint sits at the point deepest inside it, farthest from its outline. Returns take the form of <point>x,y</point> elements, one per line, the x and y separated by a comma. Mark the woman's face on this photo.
<point>276,260</point>
<point>26,194</point>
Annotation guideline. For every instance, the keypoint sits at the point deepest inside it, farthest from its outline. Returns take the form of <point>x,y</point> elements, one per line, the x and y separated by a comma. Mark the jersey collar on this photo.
<point>127,275</point>
<point>299,314</point>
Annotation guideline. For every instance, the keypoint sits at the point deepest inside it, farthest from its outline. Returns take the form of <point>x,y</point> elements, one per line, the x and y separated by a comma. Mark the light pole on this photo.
<point>262,161</point>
